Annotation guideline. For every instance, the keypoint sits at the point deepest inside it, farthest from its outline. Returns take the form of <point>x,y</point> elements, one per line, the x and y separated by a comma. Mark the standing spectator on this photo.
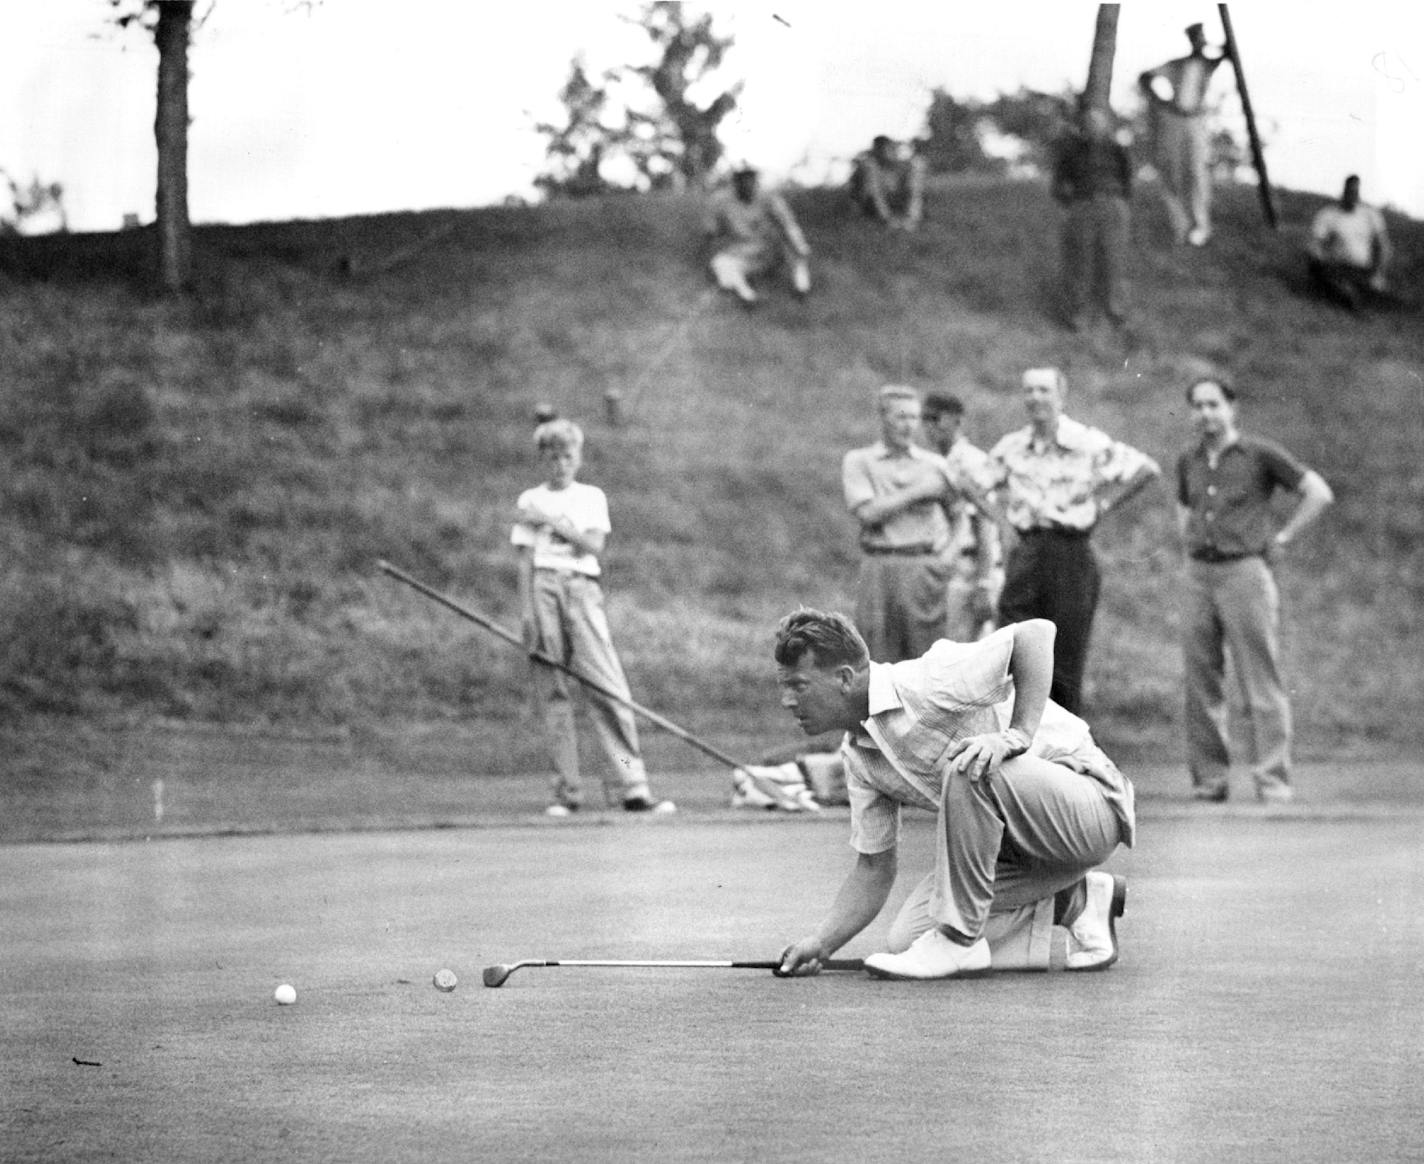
<point>1058,479</point>
<point>888,184</point>
<point>1224,490</point>
<point>975,574</point>
<point>894,489</point>
<point>1349,250</point>
<point>757,231</point>
<point>560,529</point>
<point>1176,99</point>
<point>1092,178</point>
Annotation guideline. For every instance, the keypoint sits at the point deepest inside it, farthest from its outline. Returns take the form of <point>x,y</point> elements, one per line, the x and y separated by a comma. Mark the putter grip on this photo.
<point>849,964</point>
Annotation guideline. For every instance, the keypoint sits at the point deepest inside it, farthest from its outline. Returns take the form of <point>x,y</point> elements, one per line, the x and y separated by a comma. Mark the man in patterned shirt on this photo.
<point>1057,478</point>
<point>1028,805</point>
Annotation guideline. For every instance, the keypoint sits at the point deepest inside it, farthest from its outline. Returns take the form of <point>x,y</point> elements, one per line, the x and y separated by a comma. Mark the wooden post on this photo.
<point>1097,93</point>
<point>1258,155</point>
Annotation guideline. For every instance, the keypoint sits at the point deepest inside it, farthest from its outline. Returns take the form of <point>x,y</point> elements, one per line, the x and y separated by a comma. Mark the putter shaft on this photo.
<point>496,975</point>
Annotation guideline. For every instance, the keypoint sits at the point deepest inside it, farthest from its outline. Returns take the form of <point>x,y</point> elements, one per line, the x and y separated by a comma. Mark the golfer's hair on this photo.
<point>892,392</point>
<point>832,638</point>
<point>559,434</point>
<point>943,404</point>
<point>1228,390</point>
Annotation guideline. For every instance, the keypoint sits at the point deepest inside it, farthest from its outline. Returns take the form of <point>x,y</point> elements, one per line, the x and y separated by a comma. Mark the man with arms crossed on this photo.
<point>973,564</point>
<point>894,489</point>
<point>1224,490</point>
<point>1027,803</point>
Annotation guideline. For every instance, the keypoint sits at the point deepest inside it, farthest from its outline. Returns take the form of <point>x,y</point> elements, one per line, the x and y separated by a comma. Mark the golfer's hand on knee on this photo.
<point>802,958</point>
<point>979,757</point>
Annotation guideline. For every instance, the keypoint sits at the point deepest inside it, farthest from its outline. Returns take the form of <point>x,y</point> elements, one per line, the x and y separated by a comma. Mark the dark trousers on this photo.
<point>1055,575</point>
<point>1095,236</point>
<point>1342,283</point>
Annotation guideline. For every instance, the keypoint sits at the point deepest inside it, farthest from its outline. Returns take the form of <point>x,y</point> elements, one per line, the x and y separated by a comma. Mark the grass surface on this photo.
<point>1234,1028</point>
<point>197,492</point>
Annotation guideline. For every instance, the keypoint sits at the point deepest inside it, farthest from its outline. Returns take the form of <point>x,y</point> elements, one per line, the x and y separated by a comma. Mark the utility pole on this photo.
<point>1097,93</point>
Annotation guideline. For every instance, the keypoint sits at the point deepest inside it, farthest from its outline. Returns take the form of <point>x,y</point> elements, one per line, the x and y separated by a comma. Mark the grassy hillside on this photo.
<point>196,494</point>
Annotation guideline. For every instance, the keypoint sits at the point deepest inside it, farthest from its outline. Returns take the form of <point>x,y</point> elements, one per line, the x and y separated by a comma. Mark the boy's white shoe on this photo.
<point>932,955</point>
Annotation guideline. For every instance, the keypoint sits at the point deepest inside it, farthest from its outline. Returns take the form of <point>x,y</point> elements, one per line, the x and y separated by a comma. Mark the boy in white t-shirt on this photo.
<point>559,531</point>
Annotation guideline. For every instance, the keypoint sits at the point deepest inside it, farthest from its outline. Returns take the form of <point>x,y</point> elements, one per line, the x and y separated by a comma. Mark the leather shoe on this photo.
<point>932,955</point>
<point>1092,939</point>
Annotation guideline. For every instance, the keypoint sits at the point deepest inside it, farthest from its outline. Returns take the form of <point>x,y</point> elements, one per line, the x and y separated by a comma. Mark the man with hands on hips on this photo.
<point>1028,806</point>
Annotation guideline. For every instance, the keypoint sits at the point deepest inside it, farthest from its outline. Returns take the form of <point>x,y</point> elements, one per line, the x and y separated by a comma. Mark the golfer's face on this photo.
<point>815,696</point>
<point>1212,414</point>
<point>899,421</point>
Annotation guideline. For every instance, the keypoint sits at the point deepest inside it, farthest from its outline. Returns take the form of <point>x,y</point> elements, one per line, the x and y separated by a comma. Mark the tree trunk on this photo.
<point>170,128</point>
<point>1097,94</point>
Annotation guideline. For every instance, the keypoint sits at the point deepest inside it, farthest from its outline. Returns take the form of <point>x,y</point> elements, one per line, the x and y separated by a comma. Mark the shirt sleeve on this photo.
<point>971,674</point>
<point>594,511</point>
<point>855,480</point>
<point>1284,470</point>
<point>522,533</point>
<point>1117,461</point>
<point>1183,496</point>
<point>874,817</point>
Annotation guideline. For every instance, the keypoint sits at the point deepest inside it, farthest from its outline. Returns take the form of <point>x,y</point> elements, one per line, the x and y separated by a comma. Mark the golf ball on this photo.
<point>445,980</point>
<point>285,994</point>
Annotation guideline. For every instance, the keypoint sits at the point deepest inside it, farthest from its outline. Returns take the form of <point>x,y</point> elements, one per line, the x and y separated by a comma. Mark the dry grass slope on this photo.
<point>197,492</point>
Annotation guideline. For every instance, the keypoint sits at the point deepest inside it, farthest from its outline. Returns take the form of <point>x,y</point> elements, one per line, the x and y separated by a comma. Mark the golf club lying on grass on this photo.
<point>786,800</point>
<point>496,975</point>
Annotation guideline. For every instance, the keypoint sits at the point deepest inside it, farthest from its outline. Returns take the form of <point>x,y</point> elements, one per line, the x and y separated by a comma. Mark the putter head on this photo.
<point>495,975</point>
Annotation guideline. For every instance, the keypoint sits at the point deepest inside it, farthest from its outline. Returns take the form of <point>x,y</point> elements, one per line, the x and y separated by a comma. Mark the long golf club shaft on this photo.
<point>497,975</point>
<point>694,964</point>
<point>539,657</point>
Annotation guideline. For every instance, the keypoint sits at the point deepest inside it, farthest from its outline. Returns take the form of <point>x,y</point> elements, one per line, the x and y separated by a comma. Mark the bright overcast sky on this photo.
<point>350,110</point>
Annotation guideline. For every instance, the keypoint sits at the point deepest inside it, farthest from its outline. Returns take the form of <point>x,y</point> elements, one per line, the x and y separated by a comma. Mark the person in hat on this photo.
<point>755,231</point>
<point>1176,100</point>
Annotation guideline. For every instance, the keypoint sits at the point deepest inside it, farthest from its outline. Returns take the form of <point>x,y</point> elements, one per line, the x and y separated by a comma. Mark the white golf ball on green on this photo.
<point>286,994</point>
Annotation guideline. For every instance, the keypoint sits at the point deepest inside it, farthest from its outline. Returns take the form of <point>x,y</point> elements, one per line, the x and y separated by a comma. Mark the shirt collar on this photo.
<point>884,451</point>
<point>883,697</point>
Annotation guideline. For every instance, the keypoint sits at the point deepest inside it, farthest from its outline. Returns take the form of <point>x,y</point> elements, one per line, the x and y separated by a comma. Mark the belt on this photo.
<point>565,572</point>
<point>1062,531</point>
<point>899,551</point>
<point>1215,556</point>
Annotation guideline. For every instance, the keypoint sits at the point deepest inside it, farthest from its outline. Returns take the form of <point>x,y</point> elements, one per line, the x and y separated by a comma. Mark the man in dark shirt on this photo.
<point>1092,178</point>
<point>1224,489</point>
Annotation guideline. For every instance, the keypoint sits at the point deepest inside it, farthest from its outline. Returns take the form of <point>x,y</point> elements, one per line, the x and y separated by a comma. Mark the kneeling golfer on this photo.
<point>1028,804</point>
